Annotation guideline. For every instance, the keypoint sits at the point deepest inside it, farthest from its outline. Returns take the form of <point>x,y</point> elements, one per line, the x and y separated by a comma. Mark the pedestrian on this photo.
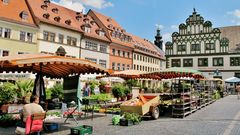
<point>86,90</point>
<point>238,91</point>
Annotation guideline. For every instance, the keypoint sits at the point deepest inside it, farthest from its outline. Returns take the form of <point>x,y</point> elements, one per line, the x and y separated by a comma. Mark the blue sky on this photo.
<point>140,17</point>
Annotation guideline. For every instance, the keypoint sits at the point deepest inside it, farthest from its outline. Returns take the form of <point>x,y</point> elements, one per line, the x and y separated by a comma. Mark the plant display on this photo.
<point>102,86</point>
<point>131,83</point>
<point>55,92</point>
<point>93,84</point>
<point>135,118</point>
<point>7,92</point>
<point>216,95</point>
<point>118,90</point>
<point>25,87</point>
<point>116,119</point>
<point>99,97</point>
<point>57,114</point>
<point>8,120</point>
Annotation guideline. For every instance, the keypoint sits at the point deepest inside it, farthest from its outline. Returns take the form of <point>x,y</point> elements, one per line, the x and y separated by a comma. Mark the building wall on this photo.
<point>145,63</point>
<point>51,47</point>
<point>120,59</point>
<point>13,44</point>
<point>95,54</point>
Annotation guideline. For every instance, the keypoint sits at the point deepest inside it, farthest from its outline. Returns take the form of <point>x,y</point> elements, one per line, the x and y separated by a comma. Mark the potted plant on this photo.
<point>130,119</point>
<point>102,86</point>
<point>118,91</point>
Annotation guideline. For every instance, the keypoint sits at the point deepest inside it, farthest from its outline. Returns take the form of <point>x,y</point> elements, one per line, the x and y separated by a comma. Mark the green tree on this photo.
<point>55,91</point>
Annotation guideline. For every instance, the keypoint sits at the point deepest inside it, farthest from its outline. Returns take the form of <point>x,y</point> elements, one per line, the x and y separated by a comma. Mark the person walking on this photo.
<point>238,91</point>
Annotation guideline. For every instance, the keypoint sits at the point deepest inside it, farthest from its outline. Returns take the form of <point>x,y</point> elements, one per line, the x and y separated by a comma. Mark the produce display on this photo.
<point>99,97</point>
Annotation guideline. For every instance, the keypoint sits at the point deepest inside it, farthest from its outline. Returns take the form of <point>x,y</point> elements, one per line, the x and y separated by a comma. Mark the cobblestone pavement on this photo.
<point>220,118</point>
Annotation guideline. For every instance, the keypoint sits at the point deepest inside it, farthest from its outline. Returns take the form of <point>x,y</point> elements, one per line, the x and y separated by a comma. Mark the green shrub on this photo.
<point>118,90</point>
<point>55,91</point>
<point>24,87</point>
<point>135,118</point>
<point>7,92</point>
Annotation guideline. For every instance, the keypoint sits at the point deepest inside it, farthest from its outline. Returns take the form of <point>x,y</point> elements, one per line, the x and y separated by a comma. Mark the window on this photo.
<point>140,68</point>
<point>181,48</point>
<point>91,45</point>
<point>91,59</point>
<point>45,35</point>
<point>140,57</point>
<point>203,62</point>
<point>119,53</point>
<point>128,54</point>
<point>137,67</point>
<point>187,62</point>
<point>195,47</point>
<point>134,56</point>
<point>49,36</point>
<point>113,51</point>
<point>123,53</point>
<point>52,37</point>
<point>101,34</point>
<point>210,46</point>
<point>176,62</point>
<point>1,31</point>
<point>74,41</point>
<point>60,38</point>
<point>128,67</point>
<point>123,66</point>
<point>4,53</point>
<point>103,48</point>
<point>7,33</point>
<point>118,66</point>
<point>22,35</point>
<point>87,29</point>
<point>234,61</point>
<point>29,37</point>
<point>218,61</point>
<point>5,2</point>
<point>113,66</point>
<point>24,15</point>
<point>103,63</point>
<point>137,57</point>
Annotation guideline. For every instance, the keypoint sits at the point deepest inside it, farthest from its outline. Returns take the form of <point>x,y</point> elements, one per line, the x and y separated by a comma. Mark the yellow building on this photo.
<point>18,32</point>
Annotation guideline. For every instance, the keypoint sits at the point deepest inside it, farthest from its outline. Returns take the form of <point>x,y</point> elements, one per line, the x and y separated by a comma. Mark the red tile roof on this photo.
<point>13,12</point>
<point>144,46</point>
<point>111,25</point>
<point>64,17</point>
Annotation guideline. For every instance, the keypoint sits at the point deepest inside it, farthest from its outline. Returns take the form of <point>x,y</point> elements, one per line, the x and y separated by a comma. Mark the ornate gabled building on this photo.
<point>200,46</point>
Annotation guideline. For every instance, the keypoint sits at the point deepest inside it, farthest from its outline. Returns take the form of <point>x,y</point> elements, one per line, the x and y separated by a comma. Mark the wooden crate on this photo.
<point>141,110</point>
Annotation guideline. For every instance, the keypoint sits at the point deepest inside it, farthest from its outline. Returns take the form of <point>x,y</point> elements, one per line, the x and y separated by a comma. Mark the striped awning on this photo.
<point>50,65</point>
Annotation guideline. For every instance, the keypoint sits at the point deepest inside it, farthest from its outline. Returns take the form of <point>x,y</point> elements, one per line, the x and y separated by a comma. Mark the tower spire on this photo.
<point>158,38</point>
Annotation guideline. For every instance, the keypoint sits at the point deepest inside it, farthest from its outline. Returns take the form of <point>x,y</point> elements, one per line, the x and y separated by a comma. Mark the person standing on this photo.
<point>86,90</point>
<point>238,91</point>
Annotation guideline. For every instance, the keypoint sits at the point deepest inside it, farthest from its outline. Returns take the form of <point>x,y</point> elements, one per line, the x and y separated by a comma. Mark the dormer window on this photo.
<point>109,19</point>
<point>44,7</point>
<point>57,19</point>
<point>86,20</point>
<point>55,10</point>
<point>78,17</point>
<point>5,2</point>
<point>110,26</point>
<point>46,2</point>
<point>92,22</point>
<point>24,15</point>
<point>101,33</point>
<point>87,29</point>
<point>68,22</point>
<point>46,16</point>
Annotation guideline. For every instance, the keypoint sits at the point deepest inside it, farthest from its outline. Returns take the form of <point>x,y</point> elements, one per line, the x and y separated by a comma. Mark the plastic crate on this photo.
<point>49,127</point>
<point>82,130</point>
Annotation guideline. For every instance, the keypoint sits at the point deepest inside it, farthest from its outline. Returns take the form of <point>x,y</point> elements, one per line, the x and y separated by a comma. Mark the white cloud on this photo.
<point>159,26</point>
<point>71,4</point>
<point>78,5</point>
<point>166,37</point>
<point>236,16</point>
<point>97,3</point>
<point>236,13</point>
<point>174,27</point>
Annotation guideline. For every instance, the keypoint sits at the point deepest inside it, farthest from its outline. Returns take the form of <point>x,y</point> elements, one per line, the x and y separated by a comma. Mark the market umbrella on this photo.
<point>176,72</point>
<point>232,80</point>
<point>129,74</point>
<point>49,66</point>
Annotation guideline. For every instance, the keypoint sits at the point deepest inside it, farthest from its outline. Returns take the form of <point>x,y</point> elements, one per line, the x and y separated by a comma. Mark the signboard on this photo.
<point>70,85</point>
